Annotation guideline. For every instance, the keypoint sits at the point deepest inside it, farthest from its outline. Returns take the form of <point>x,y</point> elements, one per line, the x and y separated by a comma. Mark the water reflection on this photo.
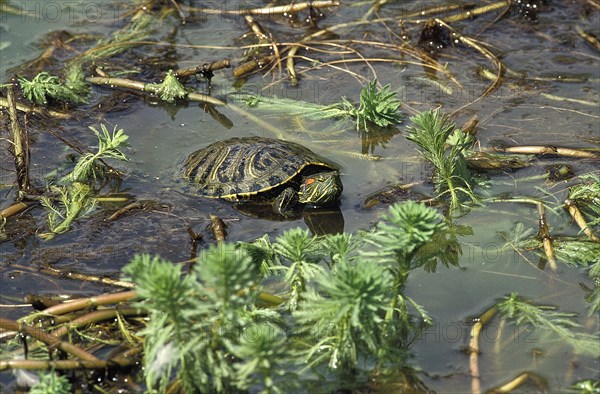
<point>320,221</point>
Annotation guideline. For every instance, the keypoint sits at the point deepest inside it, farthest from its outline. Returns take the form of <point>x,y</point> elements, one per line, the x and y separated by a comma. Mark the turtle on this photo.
<point>240,169</point>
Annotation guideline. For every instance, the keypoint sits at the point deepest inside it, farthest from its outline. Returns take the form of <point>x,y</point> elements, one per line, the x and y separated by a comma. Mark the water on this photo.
<point>539,58</point>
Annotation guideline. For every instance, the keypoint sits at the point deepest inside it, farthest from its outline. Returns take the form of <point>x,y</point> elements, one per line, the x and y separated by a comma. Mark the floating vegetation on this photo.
<point>550,321</point>
<point>377,106</point>
<point>90,165</point>
<point>45,86</point>
<point>170,88</point>
<point>75,201</point>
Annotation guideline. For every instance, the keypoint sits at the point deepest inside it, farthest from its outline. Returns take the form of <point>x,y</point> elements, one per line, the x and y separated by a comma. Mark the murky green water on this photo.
<point>543,56</point>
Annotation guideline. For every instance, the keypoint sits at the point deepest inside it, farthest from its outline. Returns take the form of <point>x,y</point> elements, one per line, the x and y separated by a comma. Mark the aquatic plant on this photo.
<point>549,321</point>
<point>339,316</point>
<point>74,198</point>
<point>169,89</point>
<point>587,197</point>
<point>444,146</point>
<point>109,147</point>
<point>377,106</point>
<point>51,382</point>
<point>44,86</point>
<point>197,321</point>
<point>74,201</point>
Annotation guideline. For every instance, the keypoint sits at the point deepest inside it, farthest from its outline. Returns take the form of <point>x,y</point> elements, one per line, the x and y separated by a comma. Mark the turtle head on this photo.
<point>324,188</point>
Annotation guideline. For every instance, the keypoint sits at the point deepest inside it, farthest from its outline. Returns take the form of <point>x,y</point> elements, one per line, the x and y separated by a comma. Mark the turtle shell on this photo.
<point>238,168</point>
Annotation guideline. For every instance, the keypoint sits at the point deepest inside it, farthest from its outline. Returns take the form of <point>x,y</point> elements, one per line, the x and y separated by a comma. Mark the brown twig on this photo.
<point>518,381</point>
<point>544,233</point>
<point>485,52</point>
<point>262,38</point>
<point>479,322</point>
<point>35,109</point>
<point>476,12</point>
<point>147,205</point>
<point>148,87</point>
<point>270,10</point>
<point>57,364</point>
<point>13,210</point>
<point>86,277</point>
<point>122,360</point>
<point>20,144</point>
<point>251,65</point>
<point>196,239</point>
<point>205,70</point>
<point>51,340</point>
<point>589,38</point>
<point>179,11</point>
<point>580,220</point>
<point>549,150</point>
<point>90,302</point>
<point>95,317</point>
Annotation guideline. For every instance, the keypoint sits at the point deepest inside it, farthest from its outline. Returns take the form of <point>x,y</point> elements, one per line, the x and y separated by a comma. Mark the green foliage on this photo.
<point>343,314</point>
<point>52,383</point>
<point>262,352</point>
<point>594,299</point>
<point>587,197</point>
<point>169,89</point>
<point>549,321</point>
<point>377,106</point>
<point>196,321</point>
<point>299,248</point>
<point>74,202</point>
<point>589,386</point>
<point>444,146</point>
<point>44,86</point>
<point>400,234</point>
<point>109,147</point>
<point>571,251</point>
<point>340,247</point>
<point>206,329</point>
<point>123,39</point>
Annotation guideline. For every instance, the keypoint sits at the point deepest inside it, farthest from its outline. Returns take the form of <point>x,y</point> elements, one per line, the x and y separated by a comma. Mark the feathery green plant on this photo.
<point>339,316</point>
<point>587,197</point>
<point>51,382</point>
<point>123,39</point>
<point>340,247</point>
<point>44,86</point>
<point>573,252</point>
<point>109,147</point>
<point>343,314</point>
<point>299,248</point>
<point>396,243</point>
<point>169,89</point>
<point>196,322</point>
<point>262,352</point>
<point>75,201</point>
<point>444,146</point>
<point>550,321</point>
<point>377,106</point>
<point>400,234</point>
